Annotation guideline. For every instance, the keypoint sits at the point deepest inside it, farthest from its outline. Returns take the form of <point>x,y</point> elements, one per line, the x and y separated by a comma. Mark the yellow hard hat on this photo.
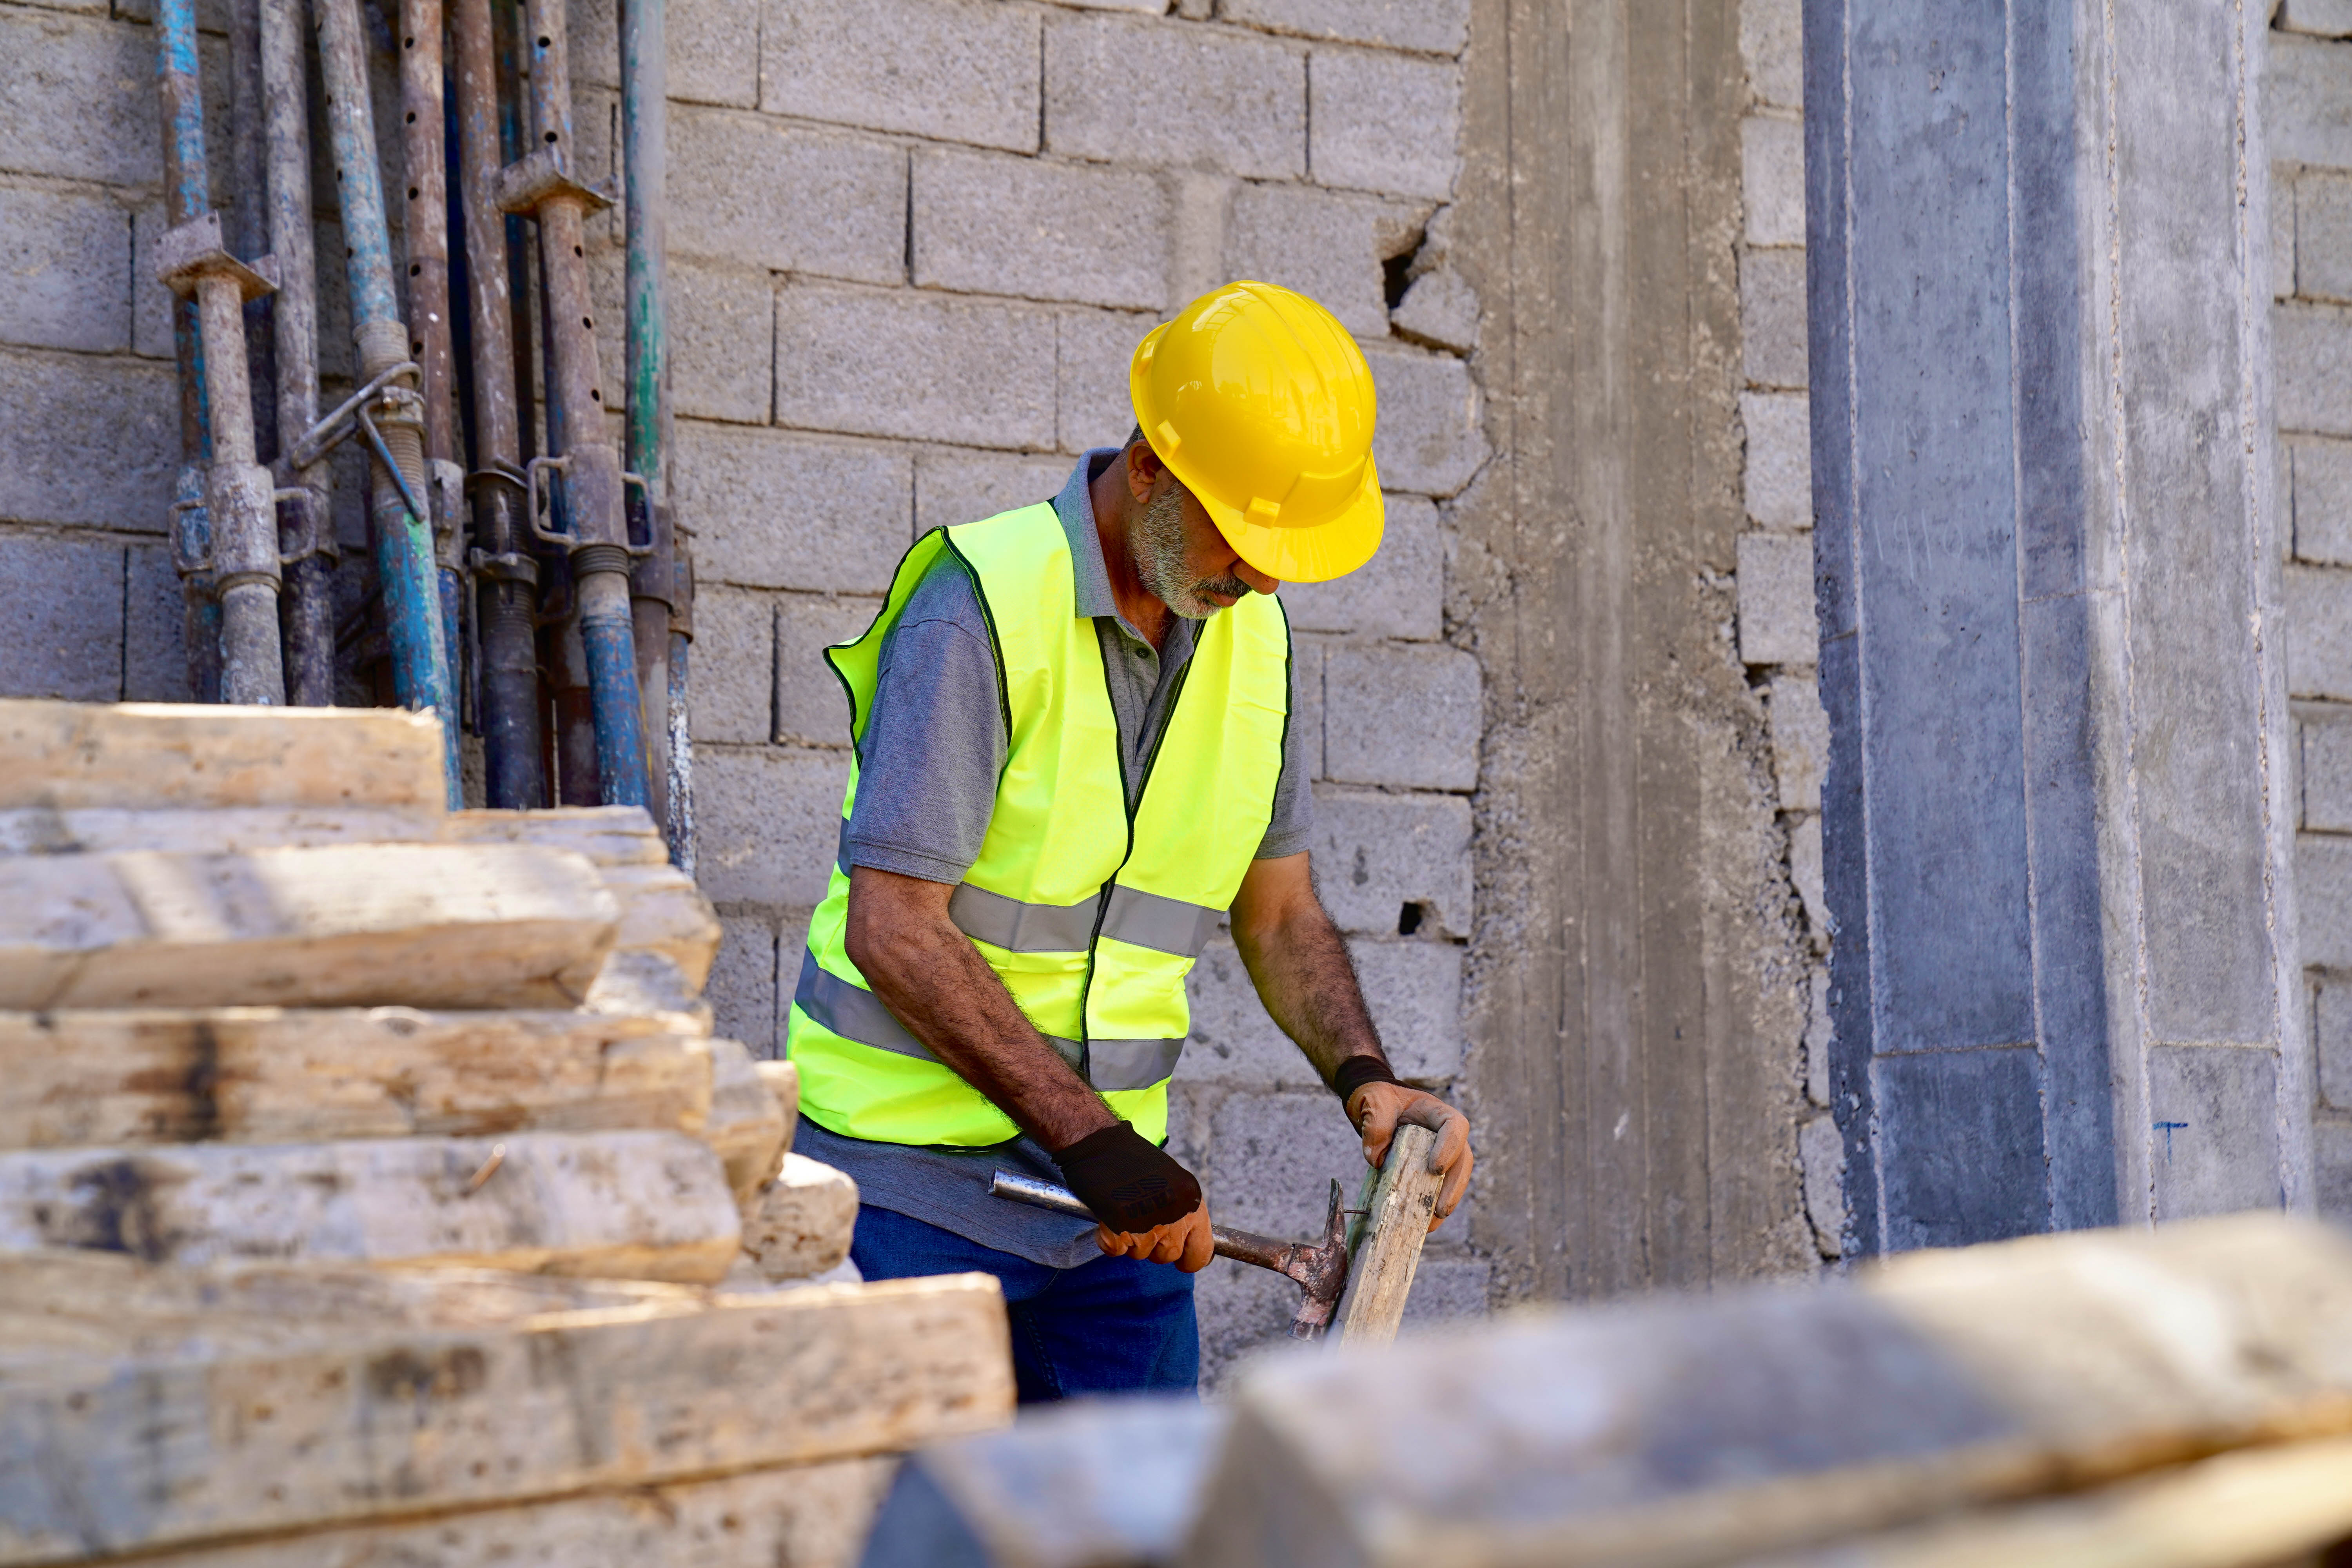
<point>1259,401</point>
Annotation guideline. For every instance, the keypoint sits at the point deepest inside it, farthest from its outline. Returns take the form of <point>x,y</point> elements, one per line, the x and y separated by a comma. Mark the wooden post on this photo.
<point>1386,1243</point>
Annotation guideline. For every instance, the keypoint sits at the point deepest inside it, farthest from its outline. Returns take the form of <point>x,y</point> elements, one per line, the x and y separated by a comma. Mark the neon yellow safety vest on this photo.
<point>1090,906</point>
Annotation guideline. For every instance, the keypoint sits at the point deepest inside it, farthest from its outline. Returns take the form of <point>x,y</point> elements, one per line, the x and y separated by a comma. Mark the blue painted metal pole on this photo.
<point>185,197</point>
<point>403,539</point>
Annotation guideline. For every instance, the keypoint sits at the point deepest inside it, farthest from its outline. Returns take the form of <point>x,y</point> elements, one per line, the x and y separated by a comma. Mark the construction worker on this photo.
<point>1073,758</point>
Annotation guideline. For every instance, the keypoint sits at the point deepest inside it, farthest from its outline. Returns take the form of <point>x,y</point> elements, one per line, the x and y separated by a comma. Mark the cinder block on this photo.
<point>1772,317</point>
<point>60,618</point>
<point>154,628</point>
<point>2332,1155</point>
<point>955,486</point>
<point>1772,179</point>
<point>86,8</point>
<point>2319,18</point>
<point>1401,716</point>
<point>2311,351</point>
<point>987,224</point>
<point>743,986</point>
<point>770,824</point>
<point>960,70</point>
<point>80,92</point>
<point>93,442</point>
<point>722,324</point>
<point>1800,735</point>
<point>1776,624</point>
<point>1805,872</point>
<point>1382,122</point>
<point>65,270</point>
<point>1204,201</point>
<point>1275,1156</point>
<point>2321,491</point>
<point>1429,438</point>
<point>791,941</point>
<point>1399,592</point>
<point>1820,1157</point>
<point>812,709</point>
<point>151,302</point>
<point>2220,1153</point>
<point>1439,308</point>
<point>714,54</point>
<point>1091,404</point>
<point>2319,632</point>
<point>2282,204</point>
<point>734,664</point>
<point>2323,205</point>
<point>2326,772</point>
<point>2307,102</point>
<point>928,367</point>
<point>2323,896</point>
<point>1432,27</point>
<point>1447,1290</point>
<point>1771,40</point>
<point>2332,1018</point>
<point>1245,1313</point>
<point>747,188</point>
<point>1233,1041</point>
<point>780,511</point>
<point>1329,247</point>
<point>1305,731</point>
<point>1414,992</point>
<point>1819,1033</point>
<point>1142,91</point>
<point>1375,854</point>
<point>1779,476</point>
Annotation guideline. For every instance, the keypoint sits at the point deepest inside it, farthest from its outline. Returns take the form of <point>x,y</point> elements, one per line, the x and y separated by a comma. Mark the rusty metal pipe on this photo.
<point>1320,1271</point>
<point>305,515</point>
<point>424,155</point>
<point>505,577</point>
<point>645,153</point>
<point>186,195</point>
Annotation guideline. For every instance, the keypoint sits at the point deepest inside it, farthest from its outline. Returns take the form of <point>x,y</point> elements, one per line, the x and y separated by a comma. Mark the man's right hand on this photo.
<point>1148,1205</point>
<point>1185,1242</point>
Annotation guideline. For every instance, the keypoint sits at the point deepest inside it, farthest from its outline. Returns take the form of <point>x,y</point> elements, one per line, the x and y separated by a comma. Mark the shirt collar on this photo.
<point>1090,578</point>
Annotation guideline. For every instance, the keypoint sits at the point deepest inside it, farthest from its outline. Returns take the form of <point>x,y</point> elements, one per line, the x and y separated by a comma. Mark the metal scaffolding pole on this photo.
<point>388,412</point>
<point>187,196</point>
<point>544,184</point>
<point>305,521</point>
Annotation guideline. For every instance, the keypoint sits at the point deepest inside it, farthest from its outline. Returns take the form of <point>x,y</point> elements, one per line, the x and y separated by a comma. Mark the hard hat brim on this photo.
<point>1315,555</point>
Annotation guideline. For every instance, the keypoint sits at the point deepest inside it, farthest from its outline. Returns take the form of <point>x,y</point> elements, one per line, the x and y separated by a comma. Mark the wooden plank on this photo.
<point>799,1225</point>
<point>2261,1508</point>
<point>746,1126</point>
<point>265,1075</point>
<point>648,986</point>
<point>663,911</point>
<point>1723,1428</point>
<point>150,754</point>
<point>804,1516</point>
<point>110,830</point>
<point>414,1422</point>
<point>420,925</point>
<point>607,834</point>
<point>649,1206</point>
<point>1403,1202</point>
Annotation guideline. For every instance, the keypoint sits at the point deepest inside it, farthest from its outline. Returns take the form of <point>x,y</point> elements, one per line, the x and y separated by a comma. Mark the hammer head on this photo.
<point>1321,1272</point>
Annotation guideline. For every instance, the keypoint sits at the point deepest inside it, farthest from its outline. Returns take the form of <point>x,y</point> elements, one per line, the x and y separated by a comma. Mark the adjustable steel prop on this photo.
<point>193,259</point>
<point>387,410</point>
<point>186,196</point>
<point>425,157</point>
<point>544,184</point>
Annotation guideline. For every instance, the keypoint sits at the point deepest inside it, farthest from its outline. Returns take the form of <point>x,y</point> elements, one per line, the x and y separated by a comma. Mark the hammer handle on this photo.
<point>1241,1246</point>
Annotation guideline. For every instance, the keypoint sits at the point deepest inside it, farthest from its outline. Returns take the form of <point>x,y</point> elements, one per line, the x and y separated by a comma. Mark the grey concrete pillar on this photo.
<point>2057,821</point>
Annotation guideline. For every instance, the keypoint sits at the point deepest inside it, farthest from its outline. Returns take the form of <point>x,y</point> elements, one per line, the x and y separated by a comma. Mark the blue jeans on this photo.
<point>1112,1325</point>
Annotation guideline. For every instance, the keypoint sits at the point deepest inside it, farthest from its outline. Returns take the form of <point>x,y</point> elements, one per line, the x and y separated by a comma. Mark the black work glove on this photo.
<point>1130,1184</point>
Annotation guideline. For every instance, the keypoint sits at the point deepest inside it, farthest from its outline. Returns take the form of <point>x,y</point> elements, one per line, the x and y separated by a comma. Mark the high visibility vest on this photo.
<point>1090,906</point>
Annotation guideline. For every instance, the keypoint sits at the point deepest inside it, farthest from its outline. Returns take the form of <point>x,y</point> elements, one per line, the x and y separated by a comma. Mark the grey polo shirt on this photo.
<point>926,788</point>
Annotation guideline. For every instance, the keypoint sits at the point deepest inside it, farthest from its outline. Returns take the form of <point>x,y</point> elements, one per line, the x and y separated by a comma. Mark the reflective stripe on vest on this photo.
<point>1090,905</point>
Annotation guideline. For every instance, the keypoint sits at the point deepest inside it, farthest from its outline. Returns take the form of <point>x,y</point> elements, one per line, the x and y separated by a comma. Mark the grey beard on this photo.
<point>1156,542</point>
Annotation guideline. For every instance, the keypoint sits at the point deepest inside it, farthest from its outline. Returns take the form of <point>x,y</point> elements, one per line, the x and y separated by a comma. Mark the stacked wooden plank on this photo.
<point>274,1021</point>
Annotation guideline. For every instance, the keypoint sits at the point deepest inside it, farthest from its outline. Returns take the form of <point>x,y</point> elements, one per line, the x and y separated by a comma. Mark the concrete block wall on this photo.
<point>916,242</point>
<point>2309,120</point>
<point>1780,636</point>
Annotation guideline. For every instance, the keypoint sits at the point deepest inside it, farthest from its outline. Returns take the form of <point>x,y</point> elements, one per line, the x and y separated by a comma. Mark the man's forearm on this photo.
<point>1300,965</point>
<point>935,982</point>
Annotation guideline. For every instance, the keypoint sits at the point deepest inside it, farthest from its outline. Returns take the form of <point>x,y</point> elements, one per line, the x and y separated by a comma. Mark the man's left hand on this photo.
<point>1378,1109</point>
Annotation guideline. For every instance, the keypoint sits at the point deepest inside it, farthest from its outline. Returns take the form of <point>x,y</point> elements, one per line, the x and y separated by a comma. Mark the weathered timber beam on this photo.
<point>265,1075</point>
<point>1402,1197</point>
<point>62,754</point>
<point>799,1225</point>
<point>385,1425</point>
<point>360,925</point>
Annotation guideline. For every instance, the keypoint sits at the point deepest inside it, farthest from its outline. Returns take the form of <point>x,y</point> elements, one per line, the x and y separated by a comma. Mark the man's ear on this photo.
<point>1143,471</point>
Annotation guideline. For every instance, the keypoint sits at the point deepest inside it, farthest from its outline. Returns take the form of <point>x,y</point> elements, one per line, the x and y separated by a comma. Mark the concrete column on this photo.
<point>2057,817</point>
